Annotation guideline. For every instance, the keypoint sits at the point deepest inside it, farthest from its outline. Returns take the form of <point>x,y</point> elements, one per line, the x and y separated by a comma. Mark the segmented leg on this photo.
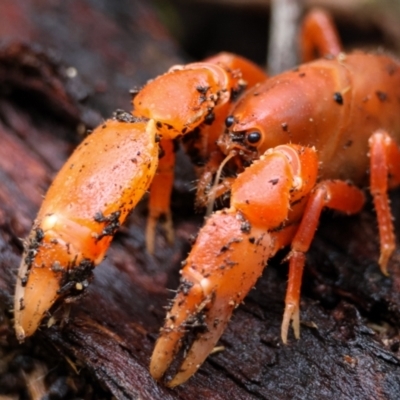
<point>319,36</point>
<point>384,156</point>
<point>337,195</point>
<point>160,196</point>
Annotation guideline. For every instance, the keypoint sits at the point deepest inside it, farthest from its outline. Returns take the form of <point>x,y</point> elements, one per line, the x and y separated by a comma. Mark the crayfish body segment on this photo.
<point>301,106</point>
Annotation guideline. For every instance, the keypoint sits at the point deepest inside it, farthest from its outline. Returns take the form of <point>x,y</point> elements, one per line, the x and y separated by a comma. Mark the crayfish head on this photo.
<point>245,143</point>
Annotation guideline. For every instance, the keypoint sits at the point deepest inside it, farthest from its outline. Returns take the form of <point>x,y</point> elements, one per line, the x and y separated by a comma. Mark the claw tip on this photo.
<point>20,333</point>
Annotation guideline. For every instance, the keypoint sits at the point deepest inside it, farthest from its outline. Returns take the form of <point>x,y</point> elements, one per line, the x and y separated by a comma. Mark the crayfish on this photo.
<point>298,142</point>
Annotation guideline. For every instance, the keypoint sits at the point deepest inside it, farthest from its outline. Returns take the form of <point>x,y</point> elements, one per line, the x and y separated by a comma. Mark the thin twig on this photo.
<point>282,46</point>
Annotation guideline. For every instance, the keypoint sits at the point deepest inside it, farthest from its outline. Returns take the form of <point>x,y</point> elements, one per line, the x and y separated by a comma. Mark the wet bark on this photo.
<point>100,345</point>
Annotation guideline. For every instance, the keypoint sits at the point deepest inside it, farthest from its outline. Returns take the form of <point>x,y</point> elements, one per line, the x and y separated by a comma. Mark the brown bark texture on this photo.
<point>63,67</point>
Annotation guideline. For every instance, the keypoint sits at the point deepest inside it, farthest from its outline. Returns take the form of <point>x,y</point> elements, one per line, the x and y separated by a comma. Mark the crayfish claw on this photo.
<point>176,323</point>
<point>33,300</point>
<point>214,325</point>
<point>195,323</point>
<point>151,228</point>
<point>51,268</point>
<point>214,282</point>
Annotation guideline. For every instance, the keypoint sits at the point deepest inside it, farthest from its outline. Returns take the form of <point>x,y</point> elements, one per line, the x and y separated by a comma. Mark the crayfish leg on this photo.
<point>160,195</point>
<point>319,35</point>
<point>337,195</point>
<point>384,155</point>
<point>30,304</point>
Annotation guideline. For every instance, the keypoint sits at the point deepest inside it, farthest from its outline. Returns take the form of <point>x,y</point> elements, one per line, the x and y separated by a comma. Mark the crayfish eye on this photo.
<point>230,119</point>
<point>253,137</point>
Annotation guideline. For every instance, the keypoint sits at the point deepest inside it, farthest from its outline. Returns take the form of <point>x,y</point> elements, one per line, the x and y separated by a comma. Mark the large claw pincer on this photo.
<point>90,198</point>
<point>225,263</point>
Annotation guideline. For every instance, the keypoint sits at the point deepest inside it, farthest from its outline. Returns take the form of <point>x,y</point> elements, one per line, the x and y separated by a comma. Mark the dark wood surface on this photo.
<point>349,346</point>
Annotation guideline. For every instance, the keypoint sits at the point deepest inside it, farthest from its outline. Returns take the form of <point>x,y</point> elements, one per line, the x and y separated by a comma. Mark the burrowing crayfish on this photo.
<point>297,141</point>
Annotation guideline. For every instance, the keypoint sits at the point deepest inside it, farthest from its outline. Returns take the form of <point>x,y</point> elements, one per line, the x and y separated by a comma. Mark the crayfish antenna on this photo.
<point>186,311</point>
<point>212,197</point>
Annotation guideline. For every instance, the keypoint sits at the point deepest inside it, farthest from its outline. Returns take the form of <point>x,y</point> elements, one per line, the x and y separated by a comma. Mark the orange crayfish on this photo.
<point>310,135</point>
<point>297,140</point>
